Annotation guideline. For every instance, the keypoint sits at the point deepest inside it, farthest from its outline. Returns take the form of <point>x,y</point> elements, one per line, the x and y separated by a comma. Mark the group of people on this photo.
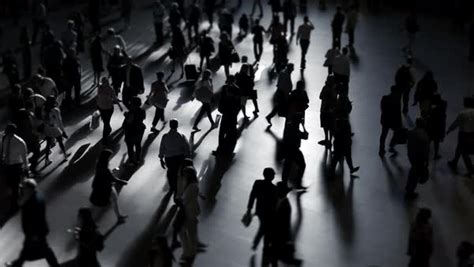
<point>36,103</point>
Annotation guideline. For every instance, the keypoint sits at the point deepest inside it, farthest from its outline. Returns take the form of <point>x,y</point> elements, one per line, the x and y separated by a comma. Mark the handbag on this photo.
<point>247,219</point>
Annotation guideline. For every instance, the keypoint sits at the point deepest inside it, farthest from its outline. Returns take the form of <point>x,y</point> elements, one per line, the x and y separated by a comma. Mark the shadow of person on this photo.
<point>194,145</point>
<point>279,151</point>
<point>353,56</point>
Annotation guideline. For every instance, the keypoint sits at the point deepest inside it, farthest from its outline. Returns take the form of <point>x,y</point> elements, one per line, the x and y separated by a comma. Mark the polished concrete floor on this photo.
<point>337,223</point>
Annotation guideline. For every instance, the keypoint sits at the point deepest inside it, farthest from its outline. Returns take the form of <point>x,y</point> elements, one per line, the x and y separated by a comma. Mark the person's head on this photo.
<point>206,74</point>
<point>282,189</point>
<point>105,81</point>
<point>190,174</point>
<point>70,24</point>
<point>160,75</point>
<point>86,221</point>
<point>28,187</point>
<point>104,158</point>
<point>300,85</point>
<point>269,174</point>
<point>423,216</point>
<point>174,124</point>
<point>306,19</point>
<point>27,92</point>
<point>10,129</point>
<point>136,102</point>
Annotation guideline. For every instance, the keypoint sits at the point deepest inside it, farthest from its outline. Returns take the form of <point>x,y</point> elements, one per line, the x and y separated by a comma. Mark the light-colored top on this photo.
<point>47,87</point>
<point>174,144</point>
<point>342,65</point>
<point>464,121</point>
<point>14,150</point>
<point>54,119</point>
<point>190,201</point>
<point>106,97</point>
<point>304,31</point>
<point>204,91</point>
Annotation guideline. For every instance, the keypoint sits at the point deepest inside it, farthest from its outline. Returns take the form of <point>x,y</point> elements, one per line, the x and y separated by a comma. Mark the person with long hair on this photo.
<point>53,127</point>
<point>103,186</point>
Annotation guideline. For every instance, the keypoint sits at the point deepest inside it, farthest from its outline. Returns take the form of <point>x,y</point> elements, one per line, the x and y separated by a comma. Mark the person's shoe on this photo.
<point>122,218</point>
<point>154,130</point>
<point>269,120</point>
<point>355,169</point>
<point>452,165</point>
<point>201,245</point>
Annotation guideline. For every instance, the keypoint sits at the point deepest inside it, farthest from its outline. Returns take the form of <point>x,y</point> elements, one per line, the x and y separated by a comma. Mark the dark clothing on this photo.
<point>336,25</point>
<point>96,50</point>
<point>116,68</point>
<point>90,242</point>
<point>418,149</point>
<point>10,69</point>
<point>391,111</point>
<point>289,15</point>
<point>245,83</point>
<point>133,83</point>
<point>106,115</point>
<point>173,164</point>
<point>229,106</point>
<point>257,32</point>
<point>102,186</point>
<point>437,120</point>
<point>420,244</point>
<point>342,143</point>
<point>175,18</point>
<point>72,78</point>
<point>205,109</point>
<point>298,102</point>
<point>404,80</point>
<point>425,89</point>
<point>134,129</point>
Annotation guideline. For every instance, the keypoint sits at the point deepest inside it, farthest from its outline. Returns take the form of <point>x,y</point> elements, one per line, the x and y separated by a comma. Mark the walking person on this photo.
<point>106,98</point>
<point>226,48</point>
<point>245,81</point>
<point>96,51</point>
<point>303,37</point>
<point>72,71</point>
<point>35,227</point>
<point>209,7</point>
<point>411,29</point>
<point>27,130</point>
<point>158,97</point>
<point>331,55</point>
<point>351,23</point>
<point>465,122</point>
<point>390,119</point>
<point>206,49</point>
<point>204,93</point>
<point>289,15</point>
<point>116,68</point>
<point>280,99</point>
<point>25,47</point>
<point>342,145</point>
<point>104,192</point>
<point>14,162</point>
<point>134,128</point>
<point>178,49</point>
<point>53,128</point>
<point>264,193</point>
<point>418,149</point>
<point>158,18</point>
<point>294,158</point>
<point>229,106</point>
<point>133,83</point>
<point>192,22</point>
<point>420,239</point>
<point>90,240</point>
<point>425,89</point>
<point>342,69</point>
<point>257,31</point>
<point>436,123</point>
<point>69,38</point>
<point>336,26</point>
<point>174,148</point>
<point>40,15</point>
<point>404,79</point>
<point>328,98</point>
<point>257,3</point>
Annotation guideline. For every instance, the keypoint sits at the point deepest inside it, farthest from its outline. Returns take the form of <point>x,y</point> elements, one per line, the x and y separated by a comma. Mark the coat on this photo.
<point>133,80</point>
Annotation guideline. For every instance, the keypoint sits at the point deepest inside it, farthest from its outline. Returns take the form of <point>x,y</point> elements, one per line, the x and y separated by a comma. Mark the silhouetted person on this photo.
<point>331,56</point>
<point>78,19</point>
<point>10,67</point>
<point>436,122</point>
<point>204,93</point>
<point>160,253</point>
<point>471,42</point>
<point>27,130</point>
<point>277,32</point>
<point>425,89</point>
<point>336,26</point>
<point>53,128</point>
<point>47,40</point>
<point>257,31</point>
<point>298,101</point>
<point>116,68</point>
<point>158,18</point>
<point>72,71</point>
<point>465,122</point>
<point>265,194</point>
<point>90,240</point>
<point>276,6</point>
<point>342,69</point>
<point>328,98</point>
<point>351,23</point>
<point>209,8</point>
<point>178,49</point>
<point>174,148</point>
<point>303,37</point>
<point>342,145</point>
<point>14,161</point>
<point>405,80</point>
<point>245,81</point>
<point>411,28</point>
<point>133,82</point>
<point>113,40</point>
<point>194,16</point>
<point>175,16</point>
<point>391,119</point>
<point>134,128</point>
<point>96,50</point>
<point>40,15</point>
<point>226,19</point>
<point>464,254</point>
<point>35,227</point>
<point>226,48</point>
<point>104,191</point>
<point>280,99</point>
<point>418,149</point>
<point>69,37</point>
<point>243,25</point>
<point>25,47</point>
<point>289,15</point>
<point>106,98</point>
<point>158,97</point>
<point>206,49</point>
<point>420,240</point>
<point>294,158</point>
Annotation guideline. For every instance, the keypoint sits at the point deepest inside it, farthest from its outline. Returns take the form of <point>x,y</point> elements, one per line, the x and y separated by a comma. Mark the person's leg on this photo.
<point>106,117</point>
<point>192,235</point>
<point>51,258</point>
<point>173,164</point>
<point>301,168</point>
<point>77,90</point>
<point>383,137</point>
<point>351,33</point>
<point>292,21</point>
<point>255,104</point>
<point>459,147</point>
<point>49,144</point>
<point>436,149</point>
<point>259,234</point>
<point>199,116</point>
<point>226,70</point>
<point>412,180</point>
<point>61,145</point>
<point>115,205</point>
<point>138,146</point>
<point>156,117</point>
<point>255,51</point>
<point>467,162</point>
<point>260,49</point>
<point>405,98</point>
<point>130,149</point>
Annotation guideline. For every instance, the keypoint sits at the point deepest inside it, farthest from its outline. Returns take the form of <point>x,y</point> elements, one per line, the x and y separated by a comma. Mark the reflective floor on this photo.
<point>342,222</point>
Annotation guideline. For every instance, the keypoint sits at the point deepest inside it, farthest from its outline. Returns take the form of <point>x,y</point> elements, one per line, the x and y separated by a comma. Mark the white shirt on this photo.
<point>342,65</point>
<point>174,144</point>
<point>14,150</point>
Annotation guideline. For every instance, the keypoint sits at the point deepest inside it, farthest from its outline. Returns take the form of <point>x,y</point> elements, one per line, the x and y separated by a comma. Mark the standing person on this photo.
<point>14,161</point>
<point>40,15</point>
<point>465,122</point>
<point>189,201</point>
<point>78,19</point>
<point>158,17</point>
<point>25,45</point>
<point>35,227</point>
<point>106,98</point>
<point>94,8</point>
<point>178,49</point>
<point>342,69</point>
<point>27,130</point>
<point>390,119</point>
<point>280,99</point>
<point>303,37</point>
<point>265,194</point>
<point>436,123</point>
<point>411,28</point>
<point>72,77</point>
<point>53,128</point>
<point>257,31</point>
<point>206,49</point>
<point>69,37</point>
<point>260,7</point>
<point>404,79</point>
<point>352,17</point>
<point>244,80</point>
<point>174,148</point>
<point>96,50</point>
<point>175,16</point>
<point>158,97</point>
<point>134,129</point>
<point>425,89</point>
<point>90,240</point>
<point>294,158</point>
<point>471,42</point>
<point>10,68</point>
<point>104,192</point>
<point>328,98</point>
<point>464,254</point>
<point>204,93</point>
<point>418,149</point>
<point>336,26</point>
<point>226,48</point>
<point>114,40</point>
<point>342,145</point>
<point>420,239</point>
<point>133,82</point>
<point>116,68</point>
<point>289,15</point>
<point>126,9</point>
<point>209,8</point>
<point>192,22</point>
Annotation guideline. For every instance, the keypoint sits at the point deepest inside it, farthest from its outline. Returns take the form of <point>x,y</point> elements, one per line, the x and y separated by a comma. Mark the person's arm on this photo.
<point>252,197</point>
<point>161,155</point>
